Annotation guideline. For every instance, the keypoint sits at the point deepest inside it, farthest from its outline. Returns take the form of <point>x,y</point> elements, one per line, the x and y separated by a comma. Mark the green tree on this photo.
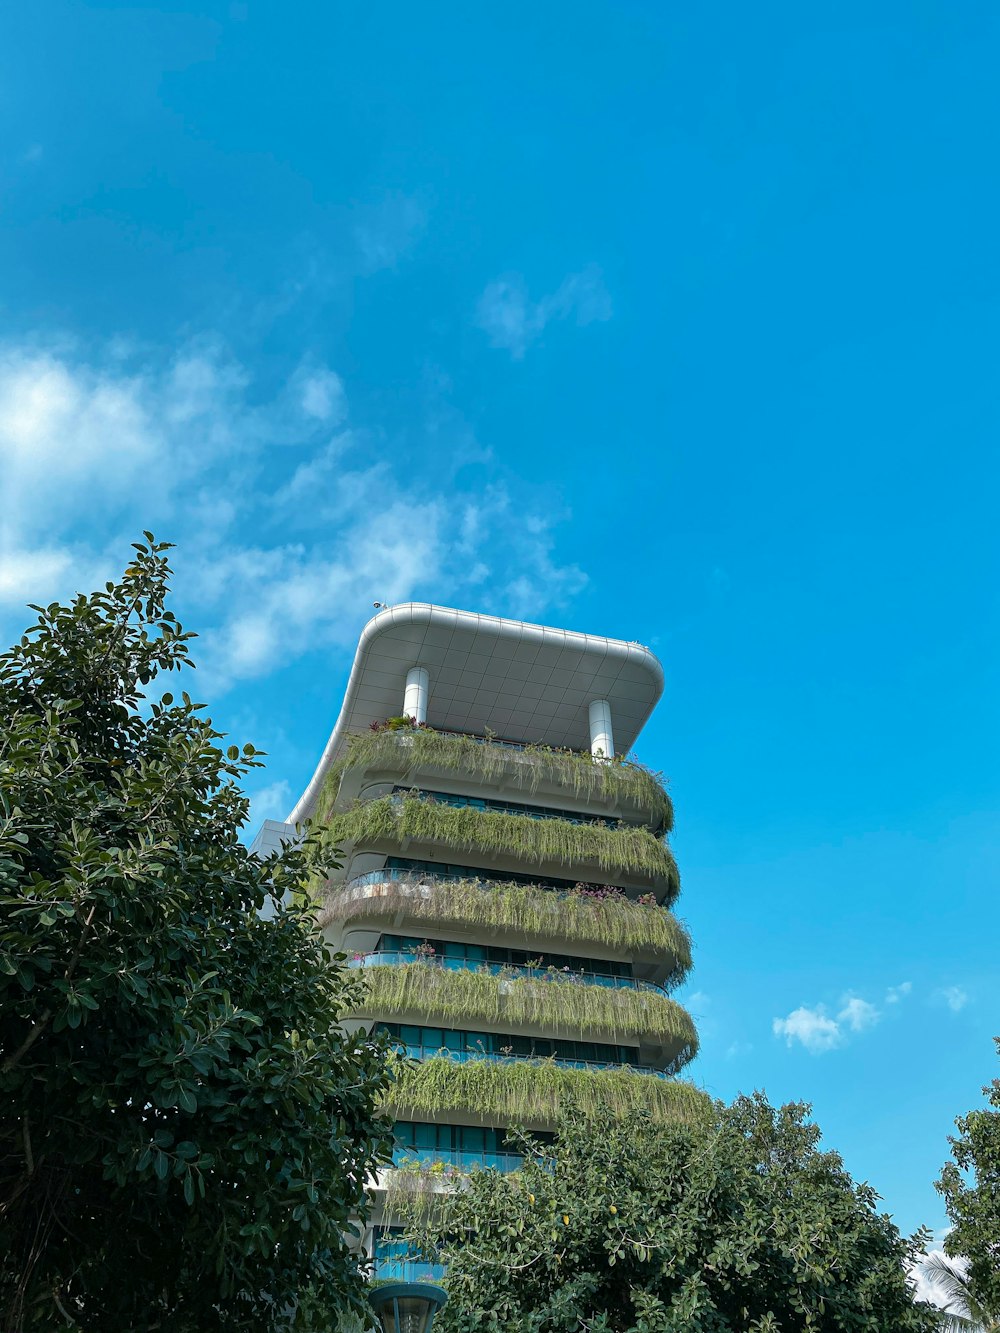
<point>736,1222</point>
<point>962,1313</point>
<point>970,1184</point>
<point>185,1134</point>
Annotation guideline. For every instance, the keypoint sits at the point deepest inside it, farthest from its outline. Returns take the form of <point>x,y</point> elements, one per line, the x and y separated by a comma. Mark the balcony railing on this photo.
<point>465,1057</point>
<point>458,1162</point>
<point>407,1270</point>
<point>487,804</point>
<point>421,883</point>
<point>515,972</point>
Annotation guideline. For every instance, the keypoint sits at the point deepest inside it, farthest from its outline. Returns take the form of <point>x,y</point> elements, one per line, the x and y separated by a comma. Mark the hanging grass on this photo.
<point>561,1007</point>
<point>541,916</point>
<point>404,752</point>
<point>621,851</point>
<point>528,1092</point>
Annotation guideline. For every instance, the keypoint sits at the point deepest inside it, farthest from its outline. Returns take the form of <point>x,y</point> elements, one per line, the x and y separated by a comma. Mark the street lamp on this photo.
<point>406,1307</point>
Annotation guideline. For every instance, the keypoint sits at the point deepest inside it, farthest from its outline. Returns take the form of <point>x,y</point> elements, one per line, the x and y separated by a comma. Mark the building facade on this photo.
<point>506,884</point>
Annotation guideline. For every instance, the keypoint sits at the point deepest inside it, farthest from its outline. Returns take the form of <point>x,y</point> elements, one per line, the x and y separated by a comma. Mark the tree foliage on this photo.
<point>970,1184</point>
<point>184,1132</point>
<point>733,1222</point>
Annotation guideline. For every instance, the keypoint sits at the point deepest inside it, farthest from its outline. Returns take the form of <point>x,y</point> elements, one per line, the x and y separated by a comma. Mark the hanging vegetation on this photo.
<point>624,850</point>
<point>405,751</point>
<point>539,916</point>
<point>562,1007</point>
<point>529,1091</point>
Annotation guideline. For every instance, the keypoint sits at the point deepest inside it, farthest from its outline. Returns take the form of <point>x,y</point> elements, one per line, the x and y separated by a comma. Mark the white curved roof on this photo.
<point>526,683</point>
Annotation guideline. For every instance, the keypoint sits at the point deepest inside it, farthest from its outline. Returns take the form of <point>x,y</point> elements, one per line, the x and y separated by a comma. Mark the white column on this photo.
<point>602,741</point>
<point>415,697</point>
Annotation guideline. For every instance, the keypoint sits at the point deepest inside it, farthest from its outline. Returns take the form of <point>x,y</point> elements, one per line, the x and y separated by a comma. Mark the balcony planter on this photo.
<point>539,915</point>
<point>528,1092</point>
<point>622,782</point>
<point>621,851</point>
<point>431,994</point>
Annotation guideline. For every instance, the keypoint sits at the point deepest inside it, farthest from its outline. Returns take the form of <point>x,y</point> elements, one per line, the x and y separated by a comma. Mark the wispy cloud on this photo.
<point>858,1015</point>
<point>387,231</point>
<point>270,802</point>
<point>513,321</point>
<point>289,521</point>
<point>953,996</point>
<point>897,993</point>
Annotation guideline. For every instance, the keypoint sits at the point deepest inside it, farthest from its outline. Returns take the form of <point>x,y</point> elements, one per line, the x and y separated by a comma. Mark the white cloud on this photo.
<point>511,320</point>
<point>280,549</point>
<point>896,993</point>
<point>322,395</point>
<point>953,996</point>
<point>812,1028</point>
<point>857,1014</point>
<point>819,1031</point>
<point>270,802</point>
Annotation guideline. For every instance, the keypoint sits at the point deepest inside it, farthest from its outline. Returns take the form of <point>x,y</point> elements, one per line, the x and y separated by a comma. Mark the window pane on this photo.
<point>471,1139</point>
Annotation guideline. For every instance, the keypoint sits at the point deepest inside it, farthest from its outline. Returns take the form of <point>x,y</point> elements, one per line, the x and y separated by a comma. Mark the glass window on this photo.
<point>425,1136</point>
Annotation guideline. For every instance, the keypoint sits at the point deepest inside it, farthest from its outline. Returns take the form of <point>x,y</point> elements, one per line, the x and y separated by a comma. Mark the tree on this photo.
<point>185,1134</point>
<point>738,1222</point>
<point>974,1205</point>
<point>962,1313</point>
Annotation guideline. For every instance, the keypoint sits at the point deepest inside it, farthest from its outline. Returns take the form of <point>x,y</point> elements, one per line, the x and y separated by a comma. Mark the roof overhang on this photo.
<point>523,682</point>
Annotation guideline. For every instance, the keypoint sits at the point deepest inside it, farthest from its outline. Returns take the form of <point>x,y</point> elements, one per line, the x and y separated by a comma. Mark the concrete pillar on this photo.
<point>415,697</point>
<point>602,740</point>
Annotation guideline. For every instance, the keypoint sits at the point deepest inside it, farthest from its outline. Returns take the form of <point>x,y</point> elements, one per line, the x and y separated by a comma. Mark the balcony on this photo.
<point>455,1162</point>
<point>392,824</point>
<point>547,974</point>
<point>621,783</point>
<point>525,914</point>
<point>530,1092</point>
<point>471,1057</point>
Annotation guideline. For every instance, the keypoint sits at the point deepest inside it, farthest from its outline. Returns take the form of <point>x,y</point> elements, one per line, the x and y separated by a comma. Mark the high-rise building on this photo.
<point>506,883</point>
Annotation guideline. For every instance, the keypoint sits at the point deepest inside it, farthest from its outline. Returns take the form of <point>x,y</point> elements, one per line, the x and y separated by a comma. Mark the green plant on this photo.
<point>730,1221</point>
<point>530,1091</point>
<point>963,1313</point>
<point>561,1007</point>
<point>538,915</point>
<point>185,1131</point>
<point>971,1188</point>
<point>527,769</point>
<point>623,850</point>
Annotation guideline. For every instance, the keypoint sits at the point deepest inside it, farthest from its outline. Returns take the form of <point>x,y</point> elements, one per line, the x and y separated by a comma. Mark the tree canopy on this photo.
<point>185,1134</point>
<point>970,1184</point>
<point>734,1222</point>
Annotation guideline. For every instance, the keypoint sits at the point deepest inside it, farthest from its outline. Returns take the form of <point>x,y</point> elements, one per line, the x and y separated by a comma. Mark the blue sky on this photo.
<point>667,322</point>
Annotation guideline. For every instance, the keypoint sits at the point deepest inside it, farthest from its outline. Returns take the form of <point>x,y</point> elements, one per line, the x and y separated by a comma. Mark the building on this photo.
<point>506,882</point>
